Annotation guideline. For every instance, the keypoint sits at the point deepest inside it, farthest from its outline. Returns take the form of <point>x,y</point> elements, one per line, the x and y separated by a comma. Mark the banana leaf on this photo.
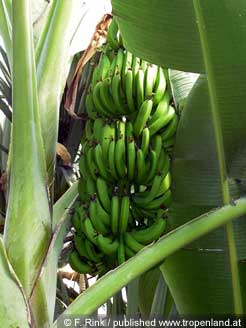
<point>209,157</point>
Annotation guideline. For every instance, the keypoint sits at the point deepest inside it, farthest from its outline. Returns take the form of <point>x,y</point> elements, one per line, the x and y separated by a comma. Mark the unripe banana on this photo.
<point>160,86</point>
<point>118,96</point>
<point>126,65</point>
<point>107,245</point>
<point>78,265</point>
<point>140,88</point>
<point>142,117</point>
<point>103,194</point>
<point>132,243</point>
<point>145,141</point>
<point>124,214</point>
<point>92,253</point>
<point>141,166</point>
<point>153,232</point>
<point>89,230</point>
<point>115,213</point>
<point>79,243</point>
<point>96,222</point>
<point>150,79</point>
<point>121,251</point>
<point>170,129</point>
<point>162,121</point>
<point>129,90</point>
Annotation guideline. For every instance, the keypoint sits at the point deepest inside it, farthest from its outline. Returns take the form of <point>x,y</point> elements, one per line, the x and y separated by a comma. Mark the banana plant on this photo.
<point>203,231</point>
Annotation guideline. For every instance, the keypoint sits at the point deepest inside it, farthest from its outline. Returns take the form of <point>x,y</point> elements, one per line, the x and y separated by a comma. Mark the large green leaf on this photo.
<point>14,310</point>
<point>210,149</point>
<point>28,222</point>
<point>161,31</point>
<point>150,256</point>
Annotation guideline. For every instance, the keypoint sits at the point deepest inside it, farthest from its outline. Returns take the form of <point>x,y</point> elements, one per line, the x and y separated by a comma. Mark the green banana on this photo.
<point>95,77</point>
<point>83,166</point>
<point>119,62</point>
<point>165,185</point>
<point>153,232</point>
<point>163,163</point>
<point>142,202</point>
<point>82,190</point>
<point>164,200</point>
<point>98,155</point>
<point>89,231</point>
<point>78,265</point>
<point>160,86</point>
<point>93,255</point>
<point>121,251</point>
<point>126,65</point>
<point>97,100</point>
<point>106,97</point>
<point>162,121</point>
<point>170,129</point>
<point>115,213</point>
<point>124,214</point>
<point>142,116</point>
<point>157,144</point>
<point>103,67</point>
<point>90,108</point>
<point>150,79</point>
<point>111,160</point>
<point>103,194</point>
<point>96,222</point>
<point>112,67</point>
<point>107,245</point>
<point>132,243</point>
<point>76,220</point>
<point>120,158</point>
<point>90,187</point>
<point>135,69</point>
<point>162,108</point>
<point>131,158</point>
<point>144,64</point>
<point>141,166</point>
<point>91,163</point>
<point>140,87</point>
<point>129,252</point>
<point>79,243</point>
<point>145,141</point>
<point>118,95</point>
<point>98,127</point>
<point>103,216</point>
<point>108,134</point>
<point>129,90</point>
<point>120,151</point>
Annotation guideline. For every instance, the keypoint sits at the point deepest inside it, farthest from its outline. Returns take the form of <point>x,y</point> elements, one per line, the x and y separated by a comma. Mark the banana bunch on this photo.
<point>124,188</point>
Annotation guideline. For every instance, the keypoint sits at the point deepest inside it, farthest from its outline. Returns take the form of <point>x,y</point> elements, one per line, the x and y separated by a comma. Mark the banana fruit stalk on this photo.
<point>125,181</point>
